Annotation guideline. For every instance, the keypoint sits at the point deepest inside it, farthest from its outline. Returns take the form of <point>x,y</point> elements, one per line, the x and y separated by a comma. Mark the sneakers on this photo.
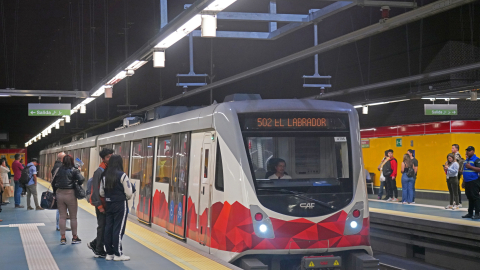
<point>91,246</point>
<point>76,240</point>
<point>19,206</point>
<point>29,208</point>
<point>121,258</point>
<point>109,257</point>
<point>449,207</point>
<point>389,200</point>
<point>476,217</point>
<point>395,200</point>
<point>101,255</point>
<point>467,216</point>
<point>379,198</point>
<point>63,241</point>
<point>66,229</point>
<point>39,208</point>
<point>404,202</point>
<point>412,203</point>
<point>460,205</point>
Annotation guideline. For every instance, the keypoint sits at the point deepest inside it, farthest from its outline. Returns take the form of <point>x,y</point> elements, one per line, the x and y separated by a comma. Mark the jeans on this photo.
<point>452,183</point>
<point>17,193</point>
<point>98,242</point>
<point>380,190</point>
<point>459,190</point>
<point>407,188</point>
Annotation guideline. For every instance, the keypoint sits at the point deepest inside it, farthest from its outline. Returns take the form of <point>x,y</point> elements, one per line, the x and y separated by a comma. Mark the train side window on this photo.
<point>219,181</point>
<point>164,160</point>
<point>205,167</point>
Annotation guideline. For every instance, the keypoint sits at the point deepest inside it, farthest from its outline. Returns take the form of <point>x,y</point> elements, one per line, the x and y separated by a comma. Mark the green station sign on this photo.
<point>441,109</point>
<point>398,142</point>
<point>47,109</point>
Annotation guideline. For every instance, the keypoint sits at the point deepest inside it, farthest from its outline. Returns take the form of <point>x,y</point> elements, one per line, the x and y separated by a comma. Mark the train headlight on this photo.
<point>263,228</point>
<point>262,225</point>
<point>355,219</point>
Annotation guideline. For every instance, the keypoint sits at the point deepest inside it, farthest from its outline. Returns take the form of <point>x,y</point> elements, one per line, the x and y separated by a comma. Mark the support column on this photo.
<point>273,10</point>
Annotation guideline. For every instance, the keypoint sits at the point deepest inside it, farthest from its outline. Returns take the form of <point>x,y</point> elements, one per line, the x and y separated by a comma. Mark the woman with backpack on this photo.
<point>408,179</point>
<point>451,168</point>
<point>64,183</point>
<point>117,190</point>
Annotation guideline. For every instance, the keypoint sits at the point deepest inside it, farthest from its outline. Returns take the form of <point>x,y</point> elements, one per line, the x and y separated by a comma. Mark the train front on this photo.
<point>308,202</point>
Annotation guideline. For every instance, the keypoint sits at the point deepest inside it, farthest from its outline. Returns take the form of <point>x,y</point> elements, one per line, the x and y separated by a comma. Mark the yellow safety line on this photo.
<point>427,217</point>
<point>174,252</point>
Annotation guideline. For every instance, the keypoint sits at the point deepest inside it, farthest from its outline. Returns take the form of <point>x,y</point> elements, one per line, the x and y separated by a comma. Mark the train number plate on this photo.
<point>318,262</point>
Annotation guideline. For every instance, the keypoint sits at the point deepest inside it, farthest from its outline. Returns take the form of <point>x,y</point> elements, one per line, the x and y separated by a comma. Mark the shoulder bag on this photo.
<point>48,199</point>
<point>79,191</point>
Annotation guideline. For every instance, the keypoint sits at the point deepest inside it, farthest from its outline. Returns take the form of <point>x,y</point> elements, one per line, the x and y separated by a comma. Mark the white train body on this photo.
<point>205,177</point>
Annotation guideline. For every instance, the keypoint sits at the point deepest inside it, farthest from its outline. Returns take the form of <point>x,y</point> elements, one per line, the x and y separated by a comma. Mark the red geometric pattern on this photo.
<point>232,229</point>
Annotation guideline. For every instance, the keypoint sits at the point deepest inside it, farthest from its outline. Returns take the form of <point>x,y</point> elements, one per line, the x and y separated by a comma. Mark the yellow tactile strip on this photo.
<point>174,252</point>
<point>427,217</point>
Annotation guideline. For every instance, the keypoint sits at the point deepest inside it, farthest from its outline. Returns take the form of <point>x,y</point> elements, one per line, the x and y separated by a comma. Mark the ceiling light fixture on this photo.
<point>99,92</point>
<point>181,32</point>
<point>158,58</point>
<point>209,25</point>
<point>219,5</point>
<point>136,65</point>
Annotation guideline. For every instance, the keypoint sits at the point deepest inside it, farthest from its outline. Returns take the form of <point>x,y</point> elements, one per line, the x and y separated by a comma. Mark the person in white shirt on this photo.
<point>280,171</point>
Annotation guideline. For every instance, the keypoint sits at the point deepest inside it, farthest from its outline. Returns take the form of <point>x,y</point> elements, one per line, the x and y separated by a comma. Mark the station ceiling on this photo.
<point>62,45</point>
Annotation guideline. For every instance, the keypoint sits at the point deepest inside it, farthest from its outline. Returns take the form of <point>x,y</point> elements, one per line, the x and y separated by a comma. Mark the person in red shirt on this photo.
<point>17,168</point>
<point>392,191</point>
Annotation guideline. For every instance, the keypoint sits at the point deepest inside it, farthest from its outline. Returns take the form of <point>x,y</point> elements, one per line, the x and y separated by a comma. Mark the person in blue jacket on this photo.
<point>471,183</point>
<point>117,190</point>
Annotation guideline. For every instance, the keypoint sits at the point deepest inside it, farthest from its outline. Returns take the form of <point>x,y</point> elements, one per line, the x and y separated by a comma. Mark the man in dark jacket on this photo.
<point>97,244</point>
<point>56,166</point>
<point>471,183</point>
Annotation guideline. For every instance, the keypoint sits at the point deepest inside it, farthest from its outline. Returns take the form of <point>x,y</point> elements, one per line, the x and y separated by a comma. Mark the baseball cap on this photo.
<point>470,148</point>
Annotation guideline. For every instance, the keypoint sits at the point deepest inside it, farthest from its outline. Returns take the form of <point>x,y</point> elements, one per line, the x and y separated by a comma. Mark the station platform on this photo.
<point>29,240</point>
<point>425,231</point>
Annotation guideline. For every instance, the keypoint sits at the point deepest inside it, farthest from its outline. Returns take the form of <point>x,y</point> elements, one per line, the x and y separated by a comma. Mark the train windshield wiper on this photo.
<point>299,195</point>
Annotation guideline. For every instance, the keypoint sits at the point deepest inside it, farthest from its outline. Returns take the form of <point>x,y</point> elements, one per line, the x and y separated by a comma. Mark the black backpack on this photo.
<point>387,168</point>
<point>25,177</point>
<point>410,171</point>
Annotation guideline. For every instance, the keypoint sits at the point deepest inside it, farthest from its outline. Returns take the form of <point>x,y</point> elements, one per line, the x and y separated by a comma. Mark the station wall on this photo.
<point>430,150</point>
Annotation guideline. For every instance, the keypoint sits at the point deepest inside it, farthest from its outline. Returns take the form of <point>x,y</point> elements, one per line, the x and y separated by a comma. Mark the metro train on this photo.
<point>210,177</point>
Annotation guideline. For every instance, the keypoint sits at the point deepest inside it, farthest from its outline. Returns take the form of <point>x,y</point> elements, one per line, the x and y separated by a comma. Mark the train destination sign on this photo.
<point>441,109</point>
<point>299,121</point>
<point>49,109</point>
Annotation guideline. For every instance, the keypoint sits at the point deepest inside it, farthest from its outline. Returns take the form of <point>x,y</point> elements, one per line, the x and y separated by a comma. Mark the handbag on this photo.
<point>8,192</point>
<point>79,191</point>
<point>48,199</point>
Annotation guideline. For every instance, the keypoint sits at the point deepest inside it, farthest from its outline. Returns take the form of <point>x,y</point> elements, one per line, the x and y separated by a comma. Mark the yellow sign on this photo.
<point>336,263</point>
<point>311,264</point>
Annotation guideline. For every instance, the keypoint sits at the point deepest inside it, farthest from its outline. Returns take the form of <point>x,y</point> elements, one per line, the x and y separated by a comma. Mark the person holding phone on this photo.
<point>451,168</point>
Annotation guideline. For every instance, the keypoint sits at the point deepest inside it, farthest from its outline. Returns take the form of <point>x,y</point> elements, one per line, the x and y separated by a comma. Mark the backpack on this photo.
<point>410,171</point>
<point>89,187</point>
<point>460,162</point>
<point>25,176</point>
<point>387,169</point>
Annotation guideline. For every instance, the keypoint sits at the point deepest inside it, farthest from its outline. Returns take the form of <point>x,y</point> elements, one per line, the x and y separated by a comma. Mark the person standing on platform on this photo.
<point>4,174</point>
<point>390,173</point>
<point>382,177</point>
<point>17,168</point>
<point>67,177</point>
<point>460,160</point>
<point>411,153</point>
<point>56,166</point>
<point>97,245</point>
<point>32,185</point>
<point>471,183</point>
<point>408,179</point>
<point>451,168</point>
<point>117,190</point>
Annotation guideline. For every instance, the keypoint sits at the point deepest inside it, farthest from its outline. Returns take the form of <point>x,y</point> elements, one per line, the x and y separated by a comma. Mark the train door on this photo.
<point>142,177</point>
<point>206,179</point>
<point>177,194</point>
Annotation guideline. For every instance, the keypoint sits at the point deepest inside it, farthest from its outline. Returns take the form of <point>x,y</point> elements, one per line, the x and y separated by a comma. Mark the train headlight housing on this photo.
<point>354,221</point>
<point>262,225</point>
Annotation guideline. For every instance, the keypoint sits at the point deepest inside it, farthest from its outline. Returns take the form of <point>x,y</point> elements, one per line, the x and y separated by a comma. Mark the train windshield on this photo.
<point>303,170</point>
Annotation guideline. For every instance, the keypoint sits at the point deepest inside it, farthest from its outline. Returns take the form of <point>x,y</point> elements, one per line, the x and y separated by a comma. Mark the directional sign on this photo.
<point>398,142</point>
<point>441,109</point>
<point>49,109</point>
